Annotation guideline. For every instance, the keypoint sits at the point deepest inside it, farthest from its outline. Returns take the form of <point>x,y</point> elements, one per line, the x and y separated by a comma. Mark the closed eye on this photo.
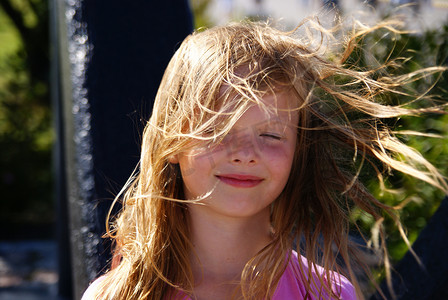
<point>272,136</point>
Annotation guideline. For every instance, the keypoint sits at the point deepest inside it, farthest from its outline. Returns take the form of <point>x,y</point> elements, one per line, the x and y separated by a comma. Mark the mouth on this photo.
<point>239,180</point>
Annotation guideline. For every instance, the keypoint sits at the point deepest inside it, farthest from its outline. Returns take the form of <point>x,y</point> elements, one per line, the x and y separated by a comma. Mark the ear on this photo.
<point>173,159</point>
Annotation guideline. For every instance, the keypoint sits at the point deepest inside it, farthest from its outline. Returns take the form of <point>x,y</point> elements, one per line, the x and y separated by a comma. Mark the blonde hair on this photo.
<point>338,112</point>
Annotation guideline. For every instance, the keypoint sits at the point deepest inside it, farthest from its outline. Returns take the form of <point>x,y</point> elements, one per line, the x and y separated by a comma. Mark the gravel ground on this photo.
<point>28,270</point>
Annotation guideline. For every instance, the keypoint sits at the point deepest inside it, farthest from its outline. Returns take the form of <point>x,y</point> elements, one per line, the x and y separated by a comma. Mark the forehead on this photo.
<point>237,94</point>
<point>277,107</point>
<point>275,100</point>
<point>272,110</point>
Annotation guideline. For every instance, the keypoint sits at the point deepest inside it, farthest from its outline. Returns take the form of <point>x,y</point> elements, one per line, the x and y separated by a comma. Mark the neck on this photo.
<point>223,246</point>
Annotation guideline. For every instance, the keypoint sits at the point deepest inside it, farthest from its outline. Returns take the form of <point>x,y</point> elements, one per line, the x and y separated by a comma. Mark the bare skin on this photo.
<point>223,249</point>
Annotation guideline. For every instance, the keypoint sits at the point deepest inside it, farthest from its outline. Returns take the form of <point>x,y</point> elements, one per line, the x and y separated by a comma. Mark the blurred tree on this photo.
<point>30,18</point>
<point>411,52</point>
<point>26,133</point>
<point>201,18</point>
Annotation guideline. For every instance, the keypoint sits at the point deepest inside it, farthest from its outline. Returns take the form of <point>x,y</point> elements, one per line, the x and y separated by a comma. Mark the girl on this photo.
<point>249,170</point>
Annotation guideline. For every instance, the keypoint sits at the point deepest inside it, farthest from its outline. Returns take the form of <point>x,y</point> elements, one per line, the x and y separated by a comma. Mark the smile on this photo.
<point>241,181</point>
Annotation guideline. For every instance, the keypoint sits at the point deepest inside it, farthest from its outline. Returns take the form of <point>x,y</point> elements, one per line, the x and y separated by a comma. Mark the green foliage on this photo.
<point>10,41</point>
<point>201,19</point>
<point>26,133</point>
<point>424,50</point>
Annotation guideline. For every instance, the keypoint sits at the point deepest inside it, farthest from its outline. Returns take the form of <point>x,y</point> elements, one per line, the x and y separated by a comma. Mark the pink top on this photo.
<point>290,286</point>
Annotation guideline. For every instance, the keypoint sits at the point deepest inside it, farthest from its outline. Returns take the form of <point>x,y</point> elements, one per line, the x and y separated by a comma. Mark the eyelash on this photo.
<point>271,135</point>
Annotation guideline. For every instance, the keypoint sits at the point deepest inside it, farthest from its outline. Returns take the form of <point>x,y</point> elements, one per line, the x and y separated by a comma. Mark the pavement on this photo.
<point>28,270</point>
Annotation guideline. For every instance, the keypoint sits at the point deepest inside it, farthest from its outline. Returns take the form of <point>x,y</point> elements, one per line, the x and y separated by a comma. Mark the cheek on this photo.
<point>191,170</point>
<point>198,162</point>
<point>280,158</point>
<point>189,167</point>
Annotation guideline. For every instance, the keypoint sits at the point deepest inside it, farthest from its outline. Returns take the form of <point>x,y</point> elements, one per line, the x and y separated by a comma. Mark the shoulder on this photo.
<point>92,291</point>
<point>293,280</point>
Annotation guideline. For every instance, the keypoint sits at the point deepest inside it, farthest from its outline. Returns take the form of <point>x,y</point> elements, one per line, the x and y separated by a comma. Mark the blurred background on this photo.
<point>28,246</point>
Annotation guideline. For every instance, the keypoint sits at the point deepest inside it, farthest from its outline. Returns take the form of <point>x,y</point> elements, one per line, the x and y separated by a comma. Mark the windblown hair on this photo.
<point>339,131</point>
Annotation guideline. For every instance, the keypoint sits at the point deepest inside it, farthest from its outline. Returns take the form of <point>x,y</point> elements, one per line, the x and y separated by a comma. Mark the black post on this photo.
<point>65,290</point>
<point>112,56</point>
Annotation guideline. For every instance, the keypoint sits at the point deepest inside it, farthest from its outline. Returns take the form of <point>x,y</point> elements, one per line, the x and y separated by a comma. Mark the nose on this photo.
<point>242,149</point>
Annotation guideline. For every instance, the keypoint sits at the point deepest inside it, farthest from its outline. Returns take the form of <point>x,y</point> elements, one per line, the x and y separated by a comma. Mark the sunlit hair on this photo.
<point>339,131</point>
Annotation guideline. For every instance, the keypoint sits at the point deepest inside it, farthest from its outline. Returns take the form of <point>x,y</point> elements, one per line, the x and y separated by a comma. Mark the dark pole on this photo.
<point>65,290</point>
<point>111,59</point>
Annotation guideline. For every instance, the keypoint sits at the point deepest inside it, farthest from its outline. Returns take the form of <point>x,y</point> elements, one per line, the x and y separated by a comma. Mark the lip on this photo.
<point>240,180</point>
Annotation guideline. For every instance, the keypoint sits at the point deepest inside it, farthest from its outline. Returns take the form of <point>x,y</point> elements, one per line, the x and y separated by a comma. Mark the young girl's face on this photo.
<point>247,171</point>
